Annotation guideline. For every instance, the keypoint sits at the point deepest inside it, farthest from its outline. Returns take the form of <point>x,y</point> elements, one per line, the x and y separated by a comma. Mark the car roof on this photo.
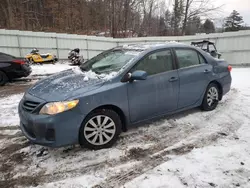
<point>152,46</point>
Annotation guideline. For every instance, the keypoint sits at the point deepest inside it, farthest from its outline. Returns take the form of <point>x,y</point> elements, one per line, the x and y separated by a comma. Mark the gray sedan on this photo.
<point>119,88</point>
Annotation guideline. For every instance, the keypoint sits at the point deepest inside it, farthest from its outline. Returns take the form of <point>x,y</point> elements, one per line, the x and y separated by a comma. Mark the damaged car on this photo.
<point>207,46</point>
<point>92,104</point>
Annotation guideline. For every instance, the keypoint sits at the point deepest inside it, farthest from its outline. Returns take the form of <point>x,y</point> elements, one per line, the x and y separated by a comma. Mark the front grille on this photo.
<point>30,106</point>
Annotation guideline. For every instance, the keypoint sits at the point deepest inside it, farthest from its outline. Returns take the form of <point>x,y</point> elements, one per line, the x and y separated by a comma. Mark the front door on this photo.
<point>157,94</point>
<point>194,75</point>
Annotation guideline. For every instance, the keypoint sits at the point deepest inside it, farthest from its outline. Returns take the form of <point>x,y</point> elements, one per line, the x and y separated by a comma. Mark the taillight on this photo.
<point>21,62</point>
<point>229,68</point>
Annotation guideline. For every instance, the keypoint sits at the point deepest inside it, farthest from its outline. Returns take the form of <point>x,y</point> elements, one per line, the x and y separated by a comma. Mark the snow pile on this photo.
<point>48,69</point>
<point>77,70</point>
<point>92,75</point>
<point>8,110</point>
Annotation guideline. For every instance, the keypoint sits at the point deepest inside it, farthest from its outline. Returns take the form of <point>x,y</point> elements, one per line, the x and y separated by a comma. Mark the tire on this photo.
<point>211,97</point>
<point>3,78</point>
<point>94,135</point>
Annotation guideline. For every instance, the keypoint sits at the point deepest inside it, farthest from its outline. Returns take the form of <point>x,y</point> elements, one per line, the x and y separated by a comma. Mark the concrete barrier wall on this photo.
<point>234,46</point>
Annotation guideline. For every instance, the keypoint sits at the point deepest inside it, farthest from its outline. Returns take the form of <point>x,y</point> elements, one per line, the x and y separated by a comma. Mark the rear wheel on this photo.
<point>3,78</point>
<point>211,97</point>
<point>100,129</point>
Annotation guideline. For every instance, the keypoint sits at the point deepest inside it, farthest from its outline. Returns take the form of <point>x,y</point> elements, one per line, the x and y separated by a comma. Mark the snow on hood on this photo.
<point>67,83</point>
<point>92,75</point>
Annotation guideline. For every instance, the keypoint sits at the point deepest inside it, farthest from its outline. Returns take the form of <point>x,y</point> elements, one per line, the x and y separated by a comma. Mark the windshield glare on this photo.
<point>109,61</point>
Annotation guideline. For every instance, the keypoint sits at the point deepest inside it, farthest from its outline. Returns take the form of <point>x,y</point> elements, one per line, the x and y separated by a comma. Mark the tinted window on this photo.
<point>5,57</point>
<point>187,58</point>
<point>155,63</point>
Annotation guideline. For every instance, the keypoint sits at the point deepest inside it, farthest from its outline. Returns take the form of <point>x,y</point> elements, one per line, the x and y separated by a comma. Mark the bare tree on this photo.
<point>177,15</point>
<point>194,8</point>
<point>112,17</point>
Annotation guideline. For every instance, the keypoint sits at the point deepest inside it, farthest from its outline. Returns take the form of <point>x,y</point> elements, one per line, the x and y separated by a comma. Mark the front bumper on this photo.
<point>51,130</point>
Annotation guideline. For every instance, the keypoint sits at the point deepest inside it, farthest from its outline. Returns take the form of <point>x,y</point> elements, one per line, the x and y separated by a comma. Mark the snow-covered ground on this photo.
<point>8,114</point>
<point>49,68</point>
<point>189,149</point>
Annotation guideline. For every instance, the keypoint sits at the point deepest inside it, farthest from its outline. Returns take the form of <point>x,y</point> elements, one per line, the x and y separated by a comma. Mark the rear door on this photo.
<point>157,94</point>
<point>194,74</point>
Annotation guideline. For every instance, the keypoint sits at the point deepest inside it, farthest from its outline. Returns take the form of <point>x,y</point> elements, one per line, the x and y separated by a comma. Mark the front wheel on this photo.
<point>211,98</point>
<point>100,129</point>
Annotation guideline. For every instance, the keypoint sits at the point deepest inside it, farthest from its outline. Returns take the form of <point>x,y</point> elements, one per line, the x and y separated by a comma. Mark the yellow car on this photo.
<point>34,57</point>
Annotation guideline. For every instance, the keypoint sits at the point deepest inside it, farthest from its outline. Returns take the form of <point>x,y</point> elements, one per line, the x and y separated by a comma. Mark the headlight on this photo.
<point>58,107</point>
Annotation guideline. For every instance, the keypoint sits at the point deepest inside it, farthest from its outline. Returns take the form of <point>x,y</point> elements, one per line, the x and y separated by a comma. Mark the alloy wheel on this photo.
<point>212,96</point>
<point>99,130</point>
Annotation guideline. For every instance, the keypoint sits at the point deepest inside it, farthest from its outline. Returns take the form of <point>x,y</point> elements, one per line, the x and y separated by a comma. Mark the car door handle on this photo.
<point>173,79</point>
<point>207,71</point>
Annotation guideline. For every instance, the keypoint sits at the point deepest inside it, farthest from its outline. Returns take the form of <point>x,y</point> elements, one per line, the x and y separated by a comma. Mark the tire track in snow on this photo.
<point>161,134</point>
<point>157,154</point>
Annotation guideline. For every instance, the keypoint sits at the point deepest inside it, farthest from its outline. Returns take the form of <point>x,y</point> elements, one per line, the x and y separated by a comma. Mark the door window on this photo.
<point>155,63</point>
<point>187,58</point>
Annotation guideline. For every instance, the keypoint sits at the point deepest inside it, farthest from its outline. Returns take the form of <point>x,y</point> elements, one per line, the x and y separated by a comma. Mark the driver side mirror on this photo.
<point>136,75</point>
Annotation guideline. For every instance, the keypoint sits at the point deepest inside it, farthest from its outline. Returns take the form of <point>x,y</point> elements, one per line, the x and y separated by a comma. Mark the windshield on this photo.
<point>109,61</point>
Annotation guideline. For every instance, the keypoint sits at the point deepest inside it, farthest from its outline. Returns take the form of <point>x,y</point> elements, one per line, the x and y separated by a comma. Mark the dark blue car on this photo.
<point>120,87</point>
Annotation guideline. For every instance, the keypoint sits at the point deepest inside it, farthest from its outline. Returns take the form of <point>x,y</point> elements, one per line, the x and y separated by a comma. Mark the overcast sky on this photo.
<point>242,6</point>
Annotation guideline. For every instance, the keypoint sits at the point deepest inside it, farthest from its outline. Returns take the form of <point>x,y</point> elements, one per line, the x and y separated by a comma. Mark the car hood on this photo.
<point>64,85</point>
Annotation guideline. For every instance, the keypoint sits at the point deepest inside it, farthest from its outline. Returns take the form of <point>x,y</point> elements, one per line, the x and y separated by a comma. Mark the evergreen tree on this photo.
<point>208,26</point>
<point>234,22</point>
<point>193,26</point>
